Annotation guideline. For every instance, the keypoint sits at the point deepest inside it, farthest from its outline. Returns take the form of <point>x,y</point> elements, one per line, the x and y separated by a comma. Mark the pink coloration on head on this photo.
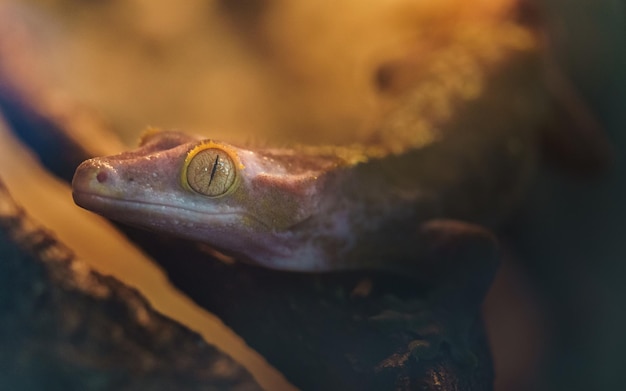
<point>258,219</point>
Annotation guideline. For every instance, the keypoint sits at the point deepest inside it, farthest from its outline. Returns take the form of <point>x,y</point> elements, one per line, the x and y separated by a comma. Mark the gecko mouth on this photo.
<point>158,215</point>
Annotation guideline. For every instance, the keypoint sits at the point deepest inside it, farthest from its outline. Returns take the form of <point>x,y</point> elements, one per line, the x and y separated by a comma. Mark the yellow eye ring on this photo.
<point>211,169</point>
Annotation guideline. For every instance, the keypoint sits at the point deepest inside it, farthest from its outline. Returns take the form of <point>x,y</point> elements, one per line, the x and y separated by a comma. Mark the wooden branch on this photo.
<point>64,327</point>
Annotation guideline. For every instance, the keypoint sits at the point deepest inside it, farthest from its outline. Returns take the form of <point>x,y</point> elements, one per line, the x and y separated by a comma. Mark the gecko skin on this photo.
<point>459,145</point>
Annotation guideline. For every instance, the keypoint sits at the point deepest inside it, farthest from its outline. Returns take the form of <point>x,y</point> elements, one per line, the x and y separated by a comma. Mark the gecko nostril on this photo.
<point>102,176</point>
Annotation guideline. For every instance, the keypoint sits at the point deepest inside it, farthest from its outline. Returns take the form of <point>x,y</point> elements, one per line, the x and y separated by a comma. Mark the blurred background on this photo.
<point>557,310</point>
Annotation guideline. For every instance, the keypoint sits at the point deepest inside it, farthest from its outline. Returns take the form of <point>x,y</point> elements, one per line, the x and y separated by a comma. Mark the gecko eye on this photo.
<point>210,172</point>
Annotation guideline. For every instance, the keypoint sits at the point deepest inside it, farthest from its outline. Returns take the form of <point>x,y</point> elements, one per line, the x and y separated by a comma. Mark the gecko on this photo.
<point>448,161</point>
<point>454,152</point>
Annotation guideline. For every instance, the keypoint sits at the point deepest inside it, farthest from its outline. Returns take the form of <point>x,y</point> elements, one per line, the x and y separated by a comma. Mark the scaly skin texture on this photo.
<point>457,144</point>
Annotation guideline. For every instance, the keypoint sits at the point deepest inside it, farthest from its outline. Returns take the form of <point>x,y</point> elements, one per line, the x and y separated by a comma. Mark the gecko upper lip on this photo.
<point>84,199</point>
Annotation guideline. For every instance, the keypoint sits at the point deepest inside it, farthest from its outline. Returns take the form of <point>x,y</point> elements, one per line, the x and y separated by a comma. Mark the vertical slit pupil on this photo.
<point>217,159</point>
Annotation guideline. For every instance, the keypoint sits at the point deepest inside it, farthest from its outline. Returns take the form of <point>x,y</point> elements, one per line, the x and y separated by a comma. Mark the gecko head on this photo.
<point>240,201</point>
